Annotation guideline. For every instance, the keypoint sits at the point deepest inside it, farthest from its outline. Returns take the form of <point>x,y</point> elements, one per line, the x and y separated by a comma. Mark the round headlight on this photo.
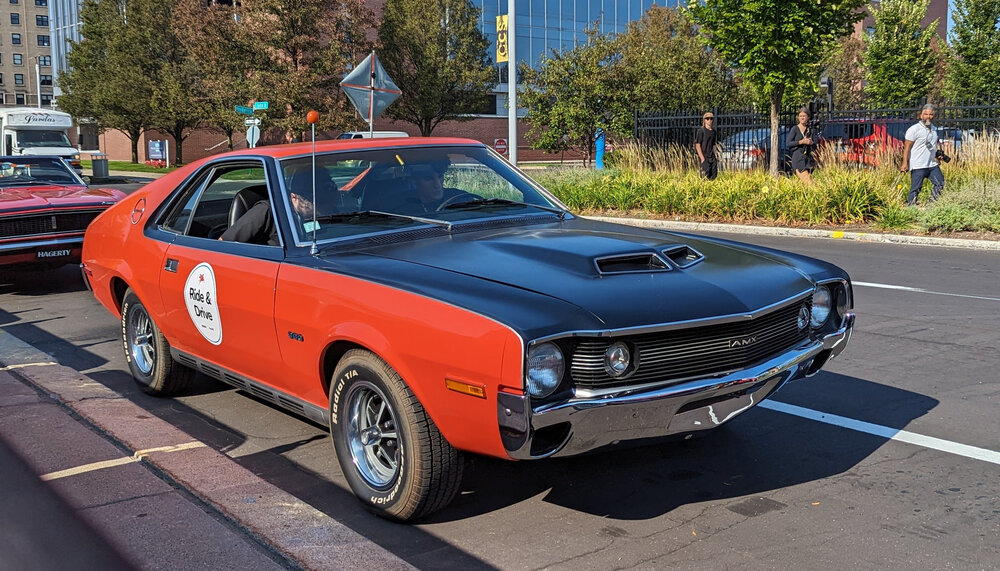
<point>545,369</point>
<point>617,359</point>
<point>822,301</point>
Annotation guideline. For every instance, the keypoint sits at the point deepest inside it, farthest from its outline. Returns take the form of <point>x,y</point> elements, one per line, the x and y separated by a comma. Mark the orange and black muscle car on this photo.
<point>424,299</point>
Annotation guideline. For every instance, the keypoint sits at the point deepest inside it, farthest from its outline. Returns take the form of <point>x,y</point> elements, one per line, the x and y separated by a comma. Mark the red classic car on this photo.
<point>44,210</point>
<point>424,299</point>
<point>864,142</point>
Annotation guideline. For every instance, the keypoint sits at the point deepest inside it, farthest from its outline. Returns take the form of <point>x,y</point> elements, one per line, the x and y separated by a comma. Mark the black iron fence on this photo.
<point>858,134</point>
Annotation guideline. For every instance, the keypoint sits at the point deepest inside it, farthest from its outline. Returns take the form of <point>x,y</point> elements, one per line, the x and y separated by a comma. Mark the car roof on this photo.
<point>328,145</point>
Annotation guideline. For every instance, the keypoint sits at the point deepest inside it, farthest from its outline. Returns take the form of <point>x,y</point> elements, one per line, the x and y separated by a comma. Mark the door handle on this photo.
<point>171,265</point>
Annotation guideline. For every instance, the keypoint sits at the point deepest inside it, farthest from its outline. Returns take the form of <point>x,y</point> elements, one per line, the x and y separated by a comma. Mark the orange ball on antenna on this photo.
<point>312,116</point>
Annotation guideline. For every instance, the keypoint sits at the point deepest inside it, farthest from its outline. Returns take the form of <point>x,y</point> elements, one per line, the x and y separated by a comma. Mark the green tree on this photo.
<point>111,70</point>
<point>179,97</point>
<point>567,95</point>
<point>899,57</point>
<point>437,55</point>
<point>228,58</point>
<point>664,65</point>
<point>774,43</point>
<point>296,54</point>
<point>845,67</point>
<point>974,69</point>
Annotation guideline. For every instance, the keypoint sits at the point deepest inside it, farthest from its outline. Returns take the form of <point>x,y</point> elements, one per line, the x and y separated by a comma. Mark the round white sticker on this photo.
<point>199,297</point>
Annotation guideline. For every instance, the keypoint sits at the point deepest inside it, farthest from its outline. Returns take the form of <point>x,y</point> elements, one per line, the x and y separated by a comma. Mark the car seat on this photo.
<point>244,200</point>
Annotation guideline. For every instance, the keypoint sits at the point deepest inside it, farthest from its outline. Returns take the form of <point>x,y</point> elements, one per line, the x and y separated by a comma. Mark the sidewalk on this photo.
<point>159,498</point>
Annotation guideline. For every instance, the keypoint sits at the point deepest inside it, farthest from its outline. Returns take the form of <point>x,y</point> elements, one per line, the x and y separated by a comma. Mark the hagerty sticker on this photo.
<point>199,297</point>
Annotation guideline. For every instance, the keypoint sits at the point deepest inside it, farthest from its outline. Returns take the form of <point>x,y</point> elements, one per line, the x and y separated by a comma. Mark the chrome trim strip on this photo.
<point>260,390</point>
<point>678,324</point>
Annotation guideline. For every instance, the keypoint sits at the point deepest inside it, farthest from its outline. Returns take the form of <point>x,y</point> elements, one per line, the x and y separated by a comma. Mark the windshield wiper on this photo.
<point>379,214</point>
<point>503,201</point>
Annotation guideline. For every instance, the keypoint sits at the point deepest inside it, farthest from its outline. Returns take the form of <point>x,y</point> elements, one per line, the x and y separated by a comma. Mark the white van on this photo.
<point>374,135</point>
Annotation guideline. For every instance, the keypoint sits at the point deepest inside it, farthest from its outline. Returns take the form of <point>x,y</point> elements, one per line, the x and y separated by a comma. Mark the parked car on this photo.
<point>750,149</point>
<point>864,142</point>
<point>372,134</point>
<point>44,209</point>
<point>491,322</point>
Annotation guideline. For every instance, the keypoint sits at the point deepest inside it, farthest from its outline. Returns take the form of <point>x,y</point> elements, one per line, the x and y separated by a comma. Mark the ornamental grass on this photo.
<point>664,182</point>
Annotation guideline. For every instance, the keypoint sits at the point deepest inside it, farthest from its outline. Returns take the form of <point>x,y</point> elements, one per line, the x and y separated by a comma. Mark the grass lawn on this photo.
<point>128,167</point>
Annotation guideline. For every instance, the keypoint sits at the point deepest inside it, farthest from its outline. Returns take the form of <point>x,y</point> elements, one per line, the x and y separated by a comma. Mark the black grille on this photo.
<point>696,351</point>
<point>41,224</point>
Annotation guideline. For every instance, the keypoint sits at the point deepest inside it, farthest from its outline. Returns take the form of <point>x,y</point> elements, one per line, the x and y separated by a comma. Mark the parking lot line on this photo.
<point>965,450</point>
<point>921,290</point>
<point>137,457</point>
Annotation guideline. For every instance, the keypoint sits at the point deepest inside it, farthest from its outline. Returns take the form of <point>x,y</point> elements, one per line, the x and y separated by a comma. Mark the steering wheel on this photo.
<point>463,197</point>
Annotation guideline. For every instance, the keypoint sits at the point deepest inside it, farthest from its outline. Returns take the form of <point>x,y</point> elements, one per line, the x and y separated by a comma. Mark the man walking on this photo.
<point>920,152</point>
<point>704,143</point>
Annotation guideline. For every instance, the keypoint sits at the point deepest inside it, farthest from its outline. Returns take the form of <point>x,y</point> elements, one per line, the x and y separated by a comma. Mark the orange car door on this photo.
<point>218,297</point>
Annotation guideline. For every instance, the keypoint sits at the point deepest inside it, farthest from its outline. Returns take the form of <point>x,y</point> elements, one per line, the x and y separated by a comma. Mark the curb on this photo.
<point>293,528</point>
<point>805,232</point>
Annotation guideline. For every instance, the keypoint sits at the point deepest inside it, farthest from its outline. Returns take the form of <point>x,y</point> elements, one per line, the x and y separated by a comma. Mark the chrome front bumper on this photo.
<point>575,426</point>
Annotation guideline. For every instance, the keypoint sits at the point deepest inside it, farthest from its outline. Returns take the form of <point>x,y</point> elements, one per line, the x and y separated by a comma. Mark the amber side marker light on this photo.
<point>465,388</point>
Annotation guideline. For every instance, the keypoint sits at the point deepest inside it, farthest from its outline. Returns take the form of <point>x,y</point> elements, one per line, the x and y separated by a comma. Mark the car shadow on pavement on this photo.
<point>760,451</point>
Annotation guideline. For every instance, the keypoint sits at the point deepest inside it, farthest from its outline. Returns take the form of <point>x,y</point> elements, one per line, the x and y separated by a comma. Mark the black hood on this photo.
<point>584,268</point>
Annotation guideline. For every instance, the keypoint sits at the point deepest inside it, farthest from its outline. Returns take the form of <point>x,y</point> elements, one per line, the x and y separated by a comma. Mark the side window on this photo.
<point>203,209</point>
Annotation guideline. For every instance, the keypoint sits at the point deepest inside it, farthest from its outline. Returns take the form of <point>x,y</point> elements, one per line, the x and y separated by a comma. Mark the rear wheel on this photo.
<point>393,456</point>
<point>148,353</point>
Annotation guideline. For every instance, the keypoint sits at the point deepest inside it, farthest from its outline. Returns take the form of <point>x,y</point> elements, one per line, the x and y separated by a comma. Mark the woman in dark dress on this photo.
<point>801,144</point>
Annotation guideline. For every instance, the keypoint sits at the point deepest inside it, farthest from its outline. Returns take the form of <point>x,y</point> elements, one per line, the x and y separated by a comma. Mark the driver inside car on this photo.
<point>428,181</point>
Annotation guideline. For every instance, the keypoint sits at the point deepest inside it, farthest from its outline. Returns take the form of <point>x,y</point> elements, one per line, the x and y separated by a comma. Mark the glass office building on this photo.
<point>542,26</point>
<point>545,25</point>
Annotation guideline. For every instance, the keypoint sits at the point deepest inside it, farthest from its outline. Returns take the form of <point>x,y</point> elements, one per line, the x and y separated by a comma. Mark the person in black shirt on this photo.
<point>256,226</point>
<point>704,143</point>
<point>801,144</point>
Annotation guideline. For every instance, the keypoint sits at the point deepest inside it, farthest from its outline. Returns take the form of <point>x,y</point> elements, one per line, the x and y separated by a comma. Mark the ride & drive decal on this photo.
<point>199,297</point>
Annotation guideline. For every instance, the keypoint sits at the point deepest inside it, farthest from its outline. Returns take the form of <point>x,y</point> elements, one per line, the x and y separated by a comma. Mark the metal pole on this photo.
<point>38,82</point>
<point>511,85</point>
<point>371,98</point>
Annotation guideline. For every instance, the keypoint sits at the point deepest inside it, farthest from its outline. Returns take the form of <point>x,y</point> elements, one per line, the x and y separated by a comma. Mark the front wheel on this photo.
<point>148,353</point>
<point>393,456</point>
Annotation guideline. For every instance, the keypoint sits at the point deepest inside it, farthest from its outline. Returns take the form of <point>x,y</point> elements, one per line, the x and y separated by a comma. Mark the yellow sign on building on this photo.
<point>501,38</point>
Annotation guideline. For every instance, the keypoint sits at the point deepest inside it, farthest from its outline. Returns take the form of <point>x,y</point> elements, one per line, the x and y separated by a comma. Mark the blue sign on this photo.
<point>155,151</point>
<point>244,110</point>
<point>260,105</point>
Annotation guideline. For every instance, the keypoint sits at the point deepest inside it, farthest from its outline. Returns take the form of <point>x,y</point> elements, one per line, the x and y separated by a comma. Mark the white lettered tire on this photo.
<point>393,456</point>
<point>148,353</point>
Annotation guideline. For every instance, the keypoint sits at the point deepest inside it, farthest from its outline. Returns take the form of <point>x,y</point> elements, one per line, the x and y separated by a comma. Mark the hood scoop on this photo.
<point>683,256</point>
<point>680,256</point>
<point>631,263</point>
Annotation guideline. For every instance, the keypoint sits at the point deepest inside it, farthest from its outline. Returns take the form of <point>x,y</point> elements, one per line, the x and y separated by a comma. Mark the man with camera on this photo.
<point>921,155</point>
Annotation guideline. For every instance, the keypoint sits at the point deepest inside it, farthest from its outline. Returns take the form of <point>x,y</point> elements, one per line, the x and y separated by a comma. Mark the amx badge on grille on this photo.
<point>742,342</point>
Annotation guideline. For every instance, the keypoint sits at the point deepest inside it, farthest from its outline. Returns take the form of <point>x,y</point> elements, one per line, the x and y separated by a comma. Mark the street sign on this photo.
<point>253,135</point>
<point>244,110</point>
<point>251,121</point>
<point>260,105</point>
<point>500,145</point>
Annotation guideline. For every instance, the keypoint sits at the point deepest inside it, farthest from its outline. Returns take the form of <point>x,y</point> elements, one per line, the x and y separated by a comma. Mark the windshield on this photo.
<point>27,139</point>
<point>361,192</point>
<point>27,171</point>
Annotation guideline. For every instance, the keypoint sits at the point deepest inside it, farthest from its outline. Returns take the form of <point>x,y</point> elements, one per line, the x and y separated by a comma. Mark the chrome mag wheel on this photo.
<point>371,435</point>
<point>141,340</point>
